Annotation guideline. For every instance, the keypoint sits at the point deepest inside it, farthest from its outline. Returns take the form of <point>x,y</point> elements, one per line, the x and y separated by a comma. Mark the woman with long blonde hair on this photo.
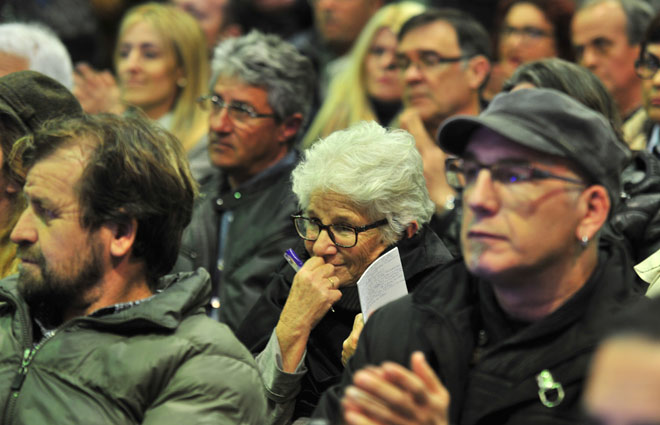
<point>162,67</point>
<point>369,88</point>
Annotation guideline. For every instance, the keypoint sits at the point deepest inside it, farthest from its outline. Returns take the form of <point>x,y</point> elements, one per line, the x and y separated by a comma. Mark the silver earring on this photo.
<point>584,241</point>
<point>182,82</point>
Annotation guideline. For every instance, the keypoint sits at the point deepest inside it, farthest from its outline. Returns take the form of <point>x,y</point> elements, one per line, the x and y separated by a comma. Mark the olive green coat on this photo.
<point>159,362</point>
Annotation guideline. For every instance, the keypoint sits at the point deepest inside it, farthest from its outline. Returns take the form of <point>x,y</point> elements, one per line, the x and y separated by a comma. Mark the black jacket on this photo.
<point>489,363</point>
<point>420,255</point>
<point>258,235</point>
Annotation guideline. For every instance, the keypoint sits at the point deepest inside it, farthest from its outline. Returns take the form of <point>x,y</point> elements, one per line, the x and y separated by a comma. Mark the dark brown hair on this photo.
<point>136,170</point>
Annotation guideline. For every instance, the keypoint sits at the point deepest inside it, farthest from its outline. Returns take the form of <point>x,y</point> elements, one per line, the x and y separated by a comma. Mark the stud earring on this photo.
<point>584,241</point>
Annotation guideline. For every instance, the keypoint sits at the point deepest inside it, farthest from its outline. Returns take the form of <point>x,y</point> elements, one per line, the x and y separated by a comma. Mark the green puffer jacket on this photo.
<point>159,362</point>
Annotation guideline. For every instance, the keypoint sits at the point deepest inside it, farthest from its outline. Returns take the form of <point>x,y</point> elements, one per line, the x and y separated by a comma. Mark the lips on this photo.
<point>485,235</point>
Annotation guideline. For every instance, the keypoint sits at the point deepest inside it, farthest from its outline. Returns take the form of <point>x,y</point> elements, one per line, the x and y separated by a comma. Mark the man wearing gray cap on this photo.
<point>505,334</point>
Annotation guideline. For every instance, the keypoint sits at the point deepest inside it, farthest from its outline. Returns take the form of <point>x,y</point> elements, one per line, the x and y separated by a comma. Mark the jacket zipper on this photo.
<point>19,378</point>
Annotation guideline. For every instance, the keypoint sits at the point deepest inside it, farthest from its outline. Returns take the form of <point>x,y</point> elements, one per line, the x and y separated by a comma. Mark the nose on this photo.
<point>220,121</point>
<point>323,245</point>
<point>656,79</point>
<point>24,231</point>
<point>413,73</point>
<point>387,61</point>
<point>589,58</point>
<point>480,196</point>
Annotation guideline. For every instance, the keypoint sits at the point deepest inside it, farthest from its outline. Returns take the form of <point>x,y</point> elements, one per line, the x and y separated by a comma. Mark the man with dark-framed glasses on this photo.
<point>443,57</point>
<point>504,335</point>
<point>260,96</point>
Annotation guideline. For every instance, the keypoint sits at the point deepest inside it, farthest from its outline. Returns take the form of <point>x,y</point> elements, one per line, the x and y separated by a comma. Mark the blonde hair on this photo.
<point>348,101</point>
<point>189,122</point>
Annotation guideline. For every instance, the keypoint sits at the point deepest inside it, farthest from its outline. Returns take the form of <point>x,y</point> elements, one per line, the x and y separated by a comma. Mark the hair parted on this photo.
<point>41,47</point>
<point>638,16</point>
<point>473,39</point>
<point>188,43</point>
<point>348,101</point>
<point>379,170</point>
<point>267,61</point>
<point>136,170</point>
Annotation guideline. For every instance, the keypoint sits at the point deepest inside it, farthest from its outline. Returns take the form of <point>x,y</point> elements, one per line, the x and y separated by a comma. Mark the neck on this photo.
<point>237,177</point>
<point>628,101</point>
<point>539,293</point>
<point>469,108</point>
<point>124,283</point>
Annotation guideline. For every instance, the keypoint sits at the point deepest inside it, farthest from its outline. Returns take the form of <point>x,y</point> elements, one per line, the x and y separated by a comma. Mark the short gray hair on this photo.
<point>268,61</point>
<point>638,16</point>
<point>379,170</point>
<point>39,45</point>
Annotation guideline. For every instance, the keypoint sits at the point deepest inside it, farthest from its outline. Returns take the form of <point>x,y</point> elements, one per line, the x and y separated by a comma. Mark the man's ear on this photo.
<point>289,127</point>
<point>122,237</point>
<point>478,71</point>
<point>594,206</point>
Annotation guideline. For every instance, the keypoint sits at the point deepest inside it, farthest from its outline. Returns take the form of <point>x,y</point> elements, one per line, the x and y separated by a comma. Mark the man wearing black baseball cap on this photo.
<point>506,332</point>
<point>27,99</point>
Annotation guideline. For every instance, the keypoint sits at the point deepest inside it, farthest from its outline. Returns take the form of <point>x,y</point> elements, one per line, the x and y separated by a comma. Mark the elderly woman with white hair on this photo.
<point>361,192</point>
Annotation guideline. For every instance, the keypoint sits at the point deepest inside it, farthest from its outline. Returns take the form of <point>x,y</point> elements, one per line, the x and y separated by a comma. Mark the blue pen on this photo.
<point>295,262</point>
<point>292,258</point>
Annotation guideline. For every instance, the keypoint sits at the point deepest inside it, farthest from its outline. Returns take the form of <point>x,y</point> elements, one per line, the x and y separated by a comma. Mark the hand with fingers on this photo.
<point>393,395</point>
<point>350,343</point>
<point>433,159</point>
<point>312,294</point>
<point>97,91</point>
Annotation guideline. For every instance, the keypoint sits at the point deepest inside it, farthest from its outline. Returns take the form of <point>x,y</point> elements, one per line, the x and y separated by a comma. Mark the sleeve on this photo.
<point>211,389</point>
<point>281,387</point>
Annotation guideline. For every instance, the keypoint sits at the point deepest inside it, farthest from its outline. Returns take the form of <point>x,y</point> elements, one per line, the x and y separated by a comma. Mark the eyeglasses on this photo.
<point>525,33</point>
<point>647,66</point>
<point>342,235</point>
<point>427,59</point>
<point>236,110</point>
<point>462,173</point>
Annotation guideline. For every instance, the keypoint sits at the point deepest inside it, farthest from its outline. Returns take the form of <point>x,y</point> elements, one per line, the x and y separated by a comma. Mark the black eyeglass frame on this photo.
<point>535,173</point>
<point>218,102</point>
<point>328,228</point>
<point>643,62</point>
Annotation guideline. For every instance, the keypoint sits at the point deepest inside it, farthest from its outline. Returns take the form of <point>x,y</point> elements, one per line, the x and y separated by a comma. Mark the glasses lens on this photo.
<point>454,174</point>
<point>344,235</point>
<point>511,173</point>
<point>239,112</point>
<point>306,228</point>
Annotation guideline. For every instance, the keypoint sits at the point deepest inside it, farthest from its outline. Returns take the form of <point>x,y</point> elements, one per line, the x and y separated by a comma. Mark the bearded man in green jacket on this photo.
<point>91,331</point>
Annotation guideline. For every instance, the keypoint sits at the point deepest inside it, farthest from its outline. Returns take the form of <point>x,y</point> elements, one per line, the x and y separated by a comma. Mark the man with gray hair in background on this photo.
<point>261,91</point>
<point>607,35</point>
<point>34,47</point>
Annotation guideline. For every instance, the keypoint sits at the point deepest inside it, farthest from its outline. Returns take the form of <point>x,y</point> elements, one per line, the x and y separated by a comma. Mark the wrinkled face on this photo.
<point>382,78</point>
<point>513,228</point>
<point>10,62</point>
<point>526,35</point>
<point>624,383</point>
<point>339,22</point>
<point>61,262</point>
<point>651,87</point>
<point>601,45</point>
<point>147,70</point>
<point>209,14</point>
<point>350,263</point>
<point>246,147</point>
<point>437,90</point>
